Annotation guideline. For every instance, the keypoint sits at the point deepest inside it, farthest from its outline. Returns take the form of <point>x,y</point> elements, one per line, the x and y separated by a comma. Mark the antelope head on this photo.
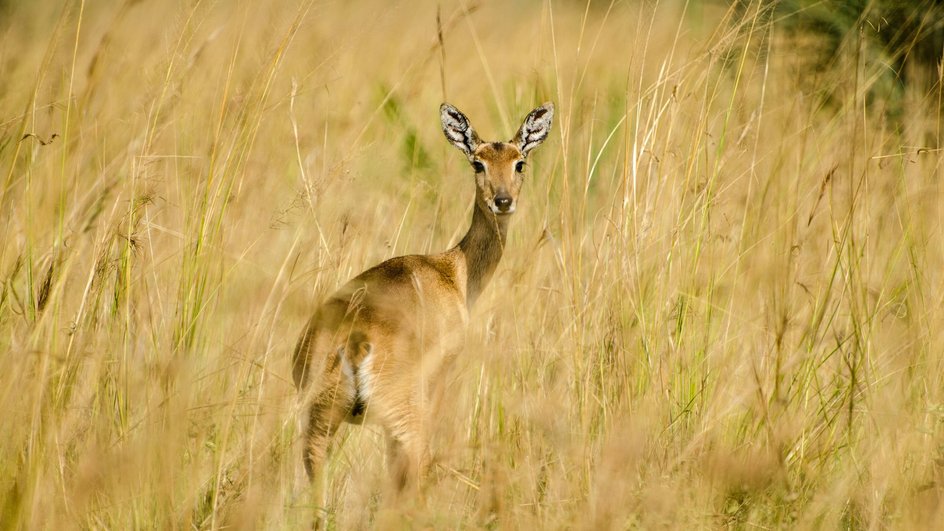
<point>499,166</point>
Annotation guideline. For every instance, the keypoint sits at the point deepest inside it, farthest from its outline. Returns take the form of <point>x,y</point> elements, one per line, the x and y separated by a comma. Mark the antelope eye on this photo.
<point>478,166</point>
<point>519,167</point>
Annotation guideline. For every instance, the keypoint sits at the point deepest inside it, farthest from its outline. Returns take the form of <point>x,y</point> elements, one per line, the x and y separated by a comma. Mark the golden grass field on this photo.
<point>720,305</point>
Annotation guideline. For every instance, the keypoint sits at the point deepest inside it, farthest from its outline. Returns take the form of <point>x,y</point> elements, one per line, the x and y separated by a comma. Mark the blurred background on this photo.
<point>719,306</point>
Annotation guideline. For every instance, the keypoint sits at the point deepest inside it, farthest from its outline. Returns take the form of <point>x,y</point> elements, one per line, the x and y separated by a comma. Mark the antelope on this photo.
<point>371,352</point>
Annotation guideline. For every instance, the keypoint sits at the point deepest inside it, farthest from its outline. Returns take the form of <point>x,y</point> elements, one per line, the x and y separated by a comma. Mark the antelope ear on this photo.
<point>535,128</point>
<point>458,130</point>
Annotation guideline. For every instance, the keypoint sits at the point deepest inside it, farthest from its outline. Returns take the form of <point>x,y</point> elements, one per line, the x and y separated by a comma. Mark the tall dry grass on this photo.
<point>720,304</point>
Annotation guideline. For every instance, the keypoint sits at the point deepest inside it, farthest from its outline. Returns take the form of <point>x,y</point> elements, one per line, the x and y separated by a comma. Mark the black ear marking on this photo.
<point>458,129</point>
<point>535,128</point>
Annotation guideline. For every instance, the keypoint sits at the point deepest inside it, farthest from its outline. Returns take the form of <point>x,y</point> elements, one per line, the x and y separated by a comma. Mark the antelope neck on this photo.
<point>482,247</point>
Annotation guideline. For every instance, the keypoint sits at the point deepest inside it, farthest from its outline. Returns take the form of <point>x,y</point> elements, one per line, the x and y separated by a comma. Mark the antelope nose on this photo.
<point>503,202</point>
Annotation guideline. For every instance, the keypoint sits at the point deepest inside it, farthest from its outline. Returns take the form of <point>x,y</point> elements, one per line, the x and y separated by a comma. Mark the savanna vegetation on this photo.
<point>720,305</point>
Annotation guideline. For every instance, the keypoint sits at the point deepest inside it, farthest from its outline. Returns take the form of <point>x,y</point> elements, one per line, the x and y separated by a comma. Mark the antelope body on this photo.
<point>372,350</point>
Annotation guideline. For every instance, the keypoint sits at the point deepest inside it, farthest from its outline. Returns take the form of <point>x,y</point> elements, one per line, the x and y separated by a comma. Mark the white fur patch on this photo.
<point>496,210</point>
<point>348,370</point>
<point>457,129</point>
<point>365,378</point>
<point>536,127</point>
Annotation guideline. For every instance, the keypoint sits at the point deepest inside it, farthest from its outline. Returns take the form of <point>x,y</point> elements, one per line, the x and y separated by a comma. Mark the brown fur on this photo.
<point>372,350</point>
